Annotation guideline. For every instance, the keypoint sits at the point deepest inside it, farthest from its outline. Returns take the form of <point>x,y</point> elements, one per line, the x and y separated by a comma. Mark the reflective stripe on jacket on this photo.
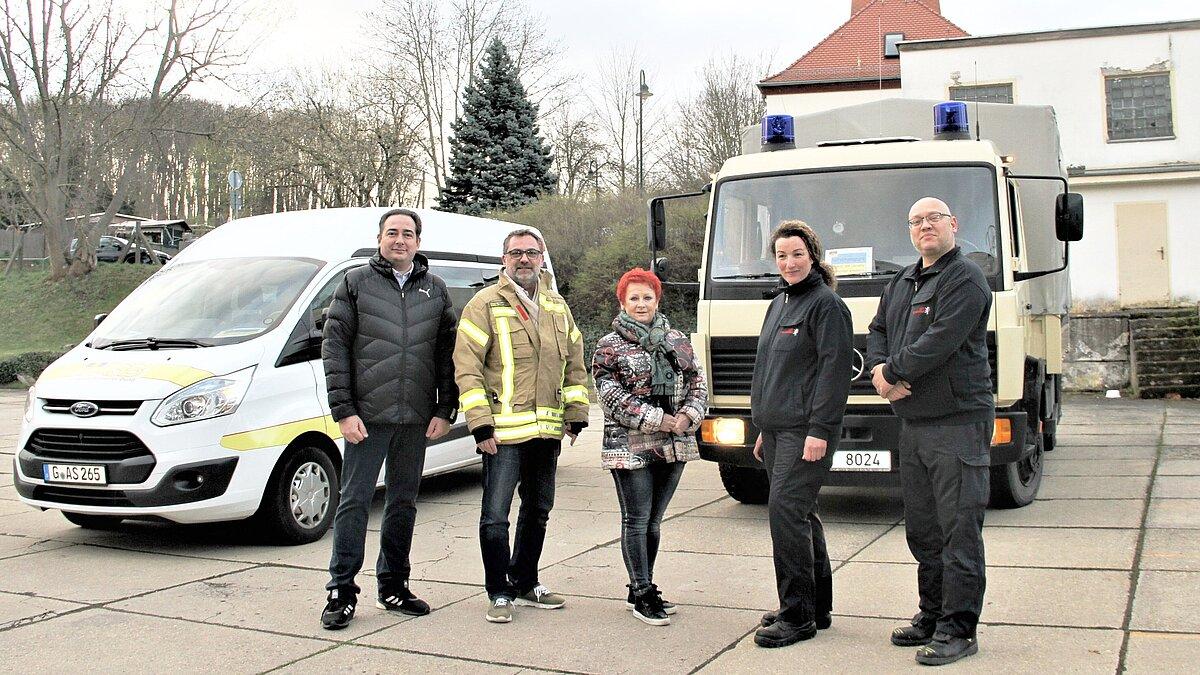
<point>524,377</point>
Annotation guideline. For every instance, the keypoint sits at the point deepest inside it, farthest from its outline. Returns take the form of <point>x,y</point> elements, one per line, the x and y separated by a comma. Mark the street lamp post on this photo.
<point>642,94</point>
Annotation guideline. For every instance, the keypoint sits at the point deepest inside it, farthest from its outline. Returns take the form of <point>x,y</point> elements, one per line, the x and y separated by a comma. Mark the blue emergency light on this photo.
<point>778,132</point>
<point>950,121</point>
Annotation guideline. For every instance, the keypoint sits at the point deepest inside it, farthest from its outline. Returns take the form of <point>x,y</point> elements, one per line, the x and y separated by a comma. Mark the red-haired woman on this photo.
<point>654,396</point>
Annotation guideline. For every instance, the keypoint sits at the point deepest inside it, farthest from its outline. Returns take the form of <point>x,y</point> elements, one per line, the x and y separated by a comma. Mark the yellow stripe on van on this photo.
<point>280,434</point>
<point>179,375</point>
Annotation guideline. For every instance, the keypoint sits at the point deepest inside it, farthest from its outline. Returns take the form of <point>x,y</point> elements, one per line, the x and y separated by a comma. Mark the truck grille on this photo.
<point>89,445</point>
<point>733,365</point>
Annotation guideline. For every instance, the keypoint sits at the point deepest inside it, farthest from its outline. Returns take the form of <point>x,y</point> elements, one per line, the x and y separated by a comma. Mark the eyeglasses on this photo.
<point>530,253</point>
<point>933,218</point>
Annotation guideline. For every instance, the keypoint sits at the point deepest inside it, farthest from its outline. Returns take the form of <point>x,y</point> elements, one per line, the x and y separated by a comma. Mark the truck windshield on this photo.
<point>860,216</point>
<point>208,302</point>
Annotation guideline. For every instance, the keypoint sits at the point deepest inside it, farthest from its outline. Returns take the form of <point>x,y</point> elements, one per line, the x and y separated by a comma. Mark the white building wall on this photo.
<point>1068,74</point>
<point>803,104</point>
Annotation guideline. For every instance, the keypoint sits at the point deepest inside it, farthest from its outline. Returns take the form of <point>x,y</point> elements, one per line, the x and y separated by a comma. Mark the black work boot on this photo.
<point>823,621</point>
<point>339,609</point>
<point>943,649</point>
<point>402,600</point>
<point>782,633</point>
<point>912,635</point>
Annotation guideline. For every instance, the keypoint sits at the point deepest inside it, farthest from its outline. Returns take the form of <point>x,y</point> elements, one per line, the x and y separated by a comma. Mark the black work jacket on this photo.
<point>931,331</point>
<point>802,369</point>
<point>389,351</point>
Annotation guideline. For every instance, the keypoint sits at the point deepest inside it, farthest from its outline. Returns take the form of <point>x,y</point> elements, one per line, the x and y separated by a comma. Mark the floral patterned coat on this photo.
<point>632,440</point>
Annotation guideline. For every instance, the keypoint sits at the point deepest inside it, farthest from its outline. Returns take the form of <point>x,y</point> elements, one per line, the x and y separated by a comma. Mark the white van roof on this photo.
<point>334,235</point>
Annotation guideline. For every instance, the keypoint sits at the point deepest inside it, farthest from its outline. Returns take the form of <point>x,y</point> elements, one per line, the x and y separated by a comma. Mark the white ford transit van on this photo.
<point>201,397</point>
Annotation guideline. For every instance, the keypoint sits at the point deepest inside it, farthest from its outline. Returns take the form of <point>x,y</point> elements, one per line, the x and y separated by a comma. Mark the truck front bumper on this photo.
<point>874,430</point>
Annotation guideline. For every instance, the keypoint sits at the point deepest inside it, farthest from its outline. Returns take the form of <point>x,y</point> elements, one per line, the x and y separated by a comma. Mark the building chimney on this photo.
<point>857,5</point>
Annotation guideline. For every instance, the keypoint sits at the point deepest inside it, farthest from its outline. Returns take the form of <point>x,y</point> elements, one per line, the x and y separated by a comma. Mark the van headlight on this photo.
<point>30,401</point>
<point>206,399</point>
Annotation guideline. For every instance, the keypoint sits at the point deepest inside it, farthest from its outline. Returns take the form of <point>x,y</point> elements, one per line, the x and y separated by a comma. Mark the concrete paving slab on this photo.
<point>21,610</point>
<point>1094,487</point>
<point>1171,550</point>
<point>1028,596</point>
<point>1176,487</point>
<point>1162,653</point>
<point>364,659</point>
<point>9,493</point>
<point>687,579</point>
<point>103,641</point>
<point>1111,467</point>
<point>1181,452</point>
<point>740,536</point>
<point>1165,601</point>
<point>860,645</point>
<point>458,487</point>
<point>1174,513</point>
<point>604,498</point>
<point>1181,437</point>
<point>1029,547</point>
<point>836,505</point>
<point>11,547</point>
<point>8,508</point>
<point>1100,453</point>
<point>1170,466</point>
<point>92,574</point>
<point>1114,439</point>
<point>1071,513</point>
<point>604,636</point>
<point>281,600</point>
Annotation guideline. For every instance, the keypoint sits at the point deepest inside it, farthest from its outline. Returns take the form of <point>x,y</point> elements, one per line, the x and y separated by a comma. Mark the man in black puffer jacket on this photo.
<point>388,354</point>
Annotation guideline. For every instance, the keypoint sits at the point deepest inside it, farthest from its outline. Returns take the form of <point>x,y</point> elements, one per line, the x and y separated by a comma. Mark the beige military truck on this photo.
<point>852,173</point>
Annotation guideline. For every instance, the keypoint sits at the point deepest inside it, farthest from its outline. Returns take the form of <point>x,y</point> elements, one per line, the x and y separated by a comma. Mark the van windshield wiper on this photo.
<point>757,275</point>
<point>154,343</point>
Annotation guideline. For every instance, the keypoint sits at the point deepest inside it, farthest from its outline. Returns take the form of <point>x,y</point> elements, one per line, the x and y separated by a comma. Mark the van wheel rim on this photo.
<point>310,495</point>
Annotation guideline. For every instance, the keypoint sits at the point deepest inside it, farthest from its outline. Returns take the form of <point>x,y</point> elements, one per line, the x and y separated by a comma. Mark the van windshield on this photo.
<point>859,215</point>
<point>207,302</point>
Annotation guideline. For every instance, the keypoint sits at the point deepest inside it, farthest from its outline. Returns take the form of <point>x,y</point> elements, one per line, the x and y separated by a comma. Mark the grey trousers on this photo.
<point>945,474</point>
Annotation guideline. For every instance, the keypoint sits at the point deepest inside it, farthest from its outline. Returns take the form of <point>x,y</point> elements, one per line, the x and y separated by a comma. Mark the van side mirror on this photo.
<point>319,317</point>
<point>656,229</point>
<point>96,320</point>
<point>660,268</point>
<point>1068,216</point>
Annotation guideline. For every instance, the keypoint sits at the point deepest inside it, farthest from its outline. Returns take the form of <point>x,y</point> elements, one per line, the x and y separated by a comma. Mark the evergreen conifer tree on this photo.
<point>497,158</point>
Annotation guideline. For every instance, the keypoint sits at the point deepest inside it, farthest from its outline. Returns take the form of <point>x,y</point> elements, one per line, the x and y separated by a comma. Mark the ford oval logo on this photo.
<point>84,409</point>
<point>857,366</point>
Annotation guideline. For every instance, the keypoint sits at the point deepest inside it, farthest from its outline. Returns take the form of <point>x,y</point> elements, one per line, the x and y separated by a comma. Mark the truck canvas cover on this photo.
<point>1029,133</point>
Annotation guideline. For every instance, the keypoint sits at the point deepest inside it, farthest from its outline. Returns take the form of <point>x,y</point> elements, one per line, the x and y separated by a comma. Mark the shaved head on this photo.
<point>926,204</point>
<point>931,239</point>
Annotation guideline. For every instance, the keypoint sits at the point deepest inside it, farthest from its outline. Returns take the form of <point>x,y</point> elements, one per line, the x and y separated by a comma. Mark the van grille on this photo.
<point>62,406</point>
<point>89,445</point>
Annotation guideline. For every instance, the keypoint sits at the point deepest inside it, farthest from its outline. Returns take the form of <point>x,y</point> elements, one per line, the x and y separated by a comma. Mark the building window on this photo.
<point>983,93</point>
<point>890,50</point>
<point>1138,106</point>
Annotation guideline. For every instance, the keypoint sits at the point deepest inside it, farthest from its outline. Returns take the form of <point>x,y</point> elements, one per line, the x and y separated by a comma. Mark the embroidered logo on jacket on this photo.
<point>920,311</point>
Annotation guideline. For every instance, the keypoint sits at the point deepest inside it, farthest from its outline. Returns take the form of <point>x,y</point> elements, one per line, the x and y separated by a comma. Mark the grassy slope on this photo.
<point>39,315</point>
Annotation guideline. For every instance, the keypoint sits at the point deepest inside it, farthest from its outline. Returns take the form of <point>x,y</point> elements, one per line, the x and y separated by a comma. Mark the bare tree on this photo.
<point>87,89</point>
<point>616,109</point>
<point>578,150</point>
<point>711,123</point>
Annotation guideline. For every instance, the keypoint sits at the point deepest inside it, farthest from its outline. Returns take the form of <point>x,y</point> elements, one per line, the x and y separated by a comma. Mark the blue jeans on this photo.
<point>402,446</point>
<point>531,466</point>
<point>644,495</point>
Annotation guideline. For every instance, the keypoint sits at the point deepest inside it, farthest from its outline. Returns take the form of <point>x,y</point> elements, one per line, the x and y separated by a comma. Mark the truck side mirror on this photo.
<point>656,229</point>
<point>1068,216</point>
<point>660,268</point>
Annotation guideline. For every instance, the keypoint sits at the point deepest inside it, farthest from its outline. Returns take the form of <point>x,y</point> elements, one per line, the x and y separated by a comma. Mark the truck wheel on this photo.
<point>301,497</point>
<point>1016,484</point>
<point>91,521</point>
<point>745,484</point>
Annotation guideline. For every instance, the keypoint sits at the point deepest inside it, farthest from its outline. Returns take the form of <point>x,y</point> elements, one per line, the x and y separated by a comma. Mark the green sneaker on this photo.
<point>500,611</point>
<point>540,597</point>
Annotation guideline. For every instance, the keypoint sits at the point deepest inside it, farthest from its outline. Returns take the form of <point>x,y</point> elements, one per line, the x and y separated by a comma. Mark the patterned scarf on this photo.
<point>653,339</point>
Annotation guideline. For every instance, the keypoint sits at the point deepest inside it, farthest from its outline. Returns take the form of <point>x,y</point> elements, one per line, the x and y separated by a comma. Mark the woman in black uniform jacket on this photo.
<point>798,396</point>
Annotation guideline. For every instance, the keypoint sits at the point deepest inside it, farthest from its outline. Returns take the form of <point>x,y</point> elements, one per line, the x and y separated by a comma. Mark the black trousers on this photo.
<point>402,446</point>
<point>644,495</point>
<point>802,571</point>
<point>944,470</point>
<point>528,469</point>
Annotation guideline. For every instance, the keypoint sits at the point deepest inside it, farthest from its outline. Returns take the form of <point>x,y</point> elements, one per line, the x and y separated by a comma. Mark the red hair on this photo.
<point>638,275</point>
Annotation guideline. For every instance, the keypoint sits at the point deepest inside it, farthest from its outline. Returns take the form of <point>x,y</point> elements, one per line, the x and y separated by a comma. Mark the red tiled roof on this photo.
<point>855,50</point>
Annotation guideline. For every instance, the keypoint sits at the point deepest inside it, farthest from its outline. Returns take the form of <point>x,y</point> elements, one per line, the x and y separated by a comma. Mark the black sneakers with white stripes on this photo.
<point>402,600</point>
<point>339,610</point>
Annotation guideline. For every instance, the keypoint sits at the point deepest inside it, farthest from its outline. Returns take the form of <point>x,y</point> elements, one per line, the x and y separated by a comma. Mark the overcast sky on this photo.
<point>673,42</point>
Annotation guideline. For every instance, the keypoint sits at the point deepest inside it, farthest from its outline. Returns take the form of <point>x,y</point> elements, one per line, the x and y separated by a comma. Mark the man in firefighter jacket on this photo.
<point>518,362</point>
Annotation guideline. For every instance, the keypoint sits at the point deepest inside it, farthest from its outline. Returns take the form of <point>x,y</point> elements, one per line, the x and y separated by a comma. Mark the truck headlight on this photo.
<point>723,431</point>
<point>206,399</point>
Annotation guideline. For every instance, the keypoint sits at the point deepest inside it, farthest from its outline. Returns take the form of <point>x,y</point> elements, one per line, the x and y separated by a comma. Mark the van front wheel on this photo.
<point>302,497</point>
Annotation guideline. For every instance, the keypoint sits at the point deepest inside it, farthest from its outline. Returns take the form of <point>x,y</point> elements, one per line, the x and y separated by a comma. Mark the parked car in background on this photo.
<point>118,249</point>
